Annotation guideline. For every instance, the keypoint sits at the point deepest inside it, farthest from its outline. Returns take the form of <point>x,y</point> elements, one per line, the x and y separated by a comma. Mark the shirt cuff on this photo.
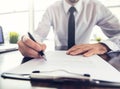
<point>111,45</point>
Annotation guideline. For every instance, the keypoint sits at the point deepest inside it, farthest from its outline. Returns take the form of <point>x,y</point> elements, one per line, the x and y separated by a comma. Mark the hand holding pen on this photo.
<point>30,49</point>
<point>41,53</point>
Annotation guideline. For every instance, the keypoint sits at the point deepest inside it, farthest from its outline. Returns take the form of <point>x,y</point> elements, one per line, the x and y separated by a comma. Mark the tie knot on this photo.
<point>72,9</point>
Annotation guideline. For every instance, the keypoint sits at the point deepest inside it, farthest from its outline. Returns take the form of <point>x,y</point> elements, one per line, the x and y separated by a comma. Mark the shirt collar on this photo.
<point>78,6</point>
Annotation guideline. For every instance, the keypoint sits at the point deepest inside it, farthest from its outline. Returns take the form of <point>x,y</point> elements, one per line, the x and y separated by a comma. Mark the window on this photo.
<point>14,16</point>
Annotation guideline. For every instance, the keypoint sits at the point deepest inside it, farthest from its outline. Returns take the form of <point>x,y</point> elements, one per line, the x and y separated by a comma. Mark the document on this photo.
<point>60,64</point>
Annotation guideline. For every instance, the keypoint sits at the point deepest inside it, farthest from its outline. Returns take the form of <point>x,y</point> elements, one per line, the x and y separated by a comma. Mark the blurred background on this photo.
<point>22,16</point>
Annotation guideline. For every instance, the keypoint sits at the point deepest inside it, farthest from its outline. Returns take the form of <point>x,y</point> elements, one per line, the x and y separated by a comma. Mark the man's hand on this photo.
<point>29,48</point>
<point>88,49</point>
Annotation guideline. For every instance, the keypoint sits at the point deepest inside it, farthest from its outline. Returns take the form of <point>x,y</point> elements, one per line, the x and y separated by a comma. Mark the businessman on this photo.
<point>73,22</point>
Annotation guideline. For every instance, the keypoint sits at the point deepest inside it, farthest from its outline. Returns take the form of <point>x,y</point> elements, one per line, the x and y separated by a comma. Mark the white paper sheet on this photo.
<point>59,60</point>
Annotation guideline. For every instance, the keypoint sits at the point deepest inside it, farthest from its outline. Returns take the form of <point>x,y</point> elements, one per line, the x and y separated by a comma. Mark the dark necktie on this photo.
<point>71,28</point>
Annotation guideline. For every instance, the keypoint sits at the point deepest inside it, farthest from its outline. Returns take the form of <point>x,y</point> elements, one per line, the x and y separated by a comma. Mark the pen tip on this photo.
<point>44,57</point>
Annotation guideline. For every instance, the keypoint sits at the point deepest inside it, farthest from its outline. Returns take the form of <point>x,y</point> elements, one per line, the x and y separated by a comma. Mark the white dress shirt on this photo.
<point>88,14</point>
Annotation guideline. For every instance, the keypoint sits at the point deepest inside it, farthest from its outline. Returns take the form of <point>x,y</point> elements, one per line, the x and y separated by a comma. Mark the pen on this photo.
<point>40,52</point>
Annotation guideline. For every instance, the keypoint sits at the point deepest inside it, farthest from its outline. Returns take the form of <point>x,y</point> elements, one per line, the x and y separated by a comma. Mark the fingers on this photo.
<point>89,53</point>
<point>87,49</point>
<point>27,51</point>
<point>34,45</point>
<point>29,48</point>
<point>79,49</point>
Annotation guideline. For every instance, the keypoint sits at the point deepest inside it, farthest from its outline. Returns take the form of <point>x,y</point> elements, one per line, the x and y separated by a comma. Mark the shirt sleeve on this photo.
<point>111,28</point>
<point>44,26</point>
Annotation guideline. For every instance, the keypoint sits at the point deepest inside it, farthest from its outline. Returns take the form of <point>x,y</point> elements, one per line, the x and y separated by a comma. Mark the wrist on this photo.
<point>107,48</point>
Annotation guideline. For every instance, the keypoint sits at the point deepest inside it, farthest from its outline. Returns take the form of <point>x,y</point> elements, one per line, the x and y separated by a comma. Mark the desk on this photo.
<point>12,59</point>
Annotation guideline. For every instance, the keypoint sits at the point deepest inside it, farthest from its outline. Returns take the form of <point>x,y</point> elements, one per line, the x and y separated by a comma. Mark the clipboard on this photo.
<point>92,74</point>
<point>40,77</point>
<point>80,79</point>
